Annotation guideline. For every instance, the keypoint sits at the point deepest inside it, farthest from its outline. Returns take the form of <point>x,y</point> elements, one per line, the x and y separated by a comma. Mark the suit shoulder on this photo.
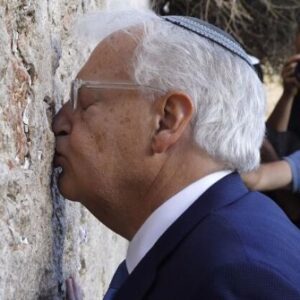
<point>255,280</point>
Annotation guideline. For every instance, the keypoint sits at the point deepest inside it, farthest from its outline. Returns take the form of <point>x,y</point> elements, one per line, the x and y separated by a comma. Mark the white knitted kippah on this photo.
<point>211,33</point>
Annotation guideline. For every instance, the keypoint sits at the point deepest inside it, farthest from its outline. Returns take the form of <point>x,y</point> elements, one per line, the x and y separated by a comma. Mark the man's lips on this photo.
<point>57,160</point>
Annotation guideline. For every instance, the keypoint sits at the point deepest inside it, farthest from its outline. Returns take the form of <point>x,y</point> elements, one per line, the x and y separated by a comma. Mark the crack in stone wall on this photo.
<point>55,290</point>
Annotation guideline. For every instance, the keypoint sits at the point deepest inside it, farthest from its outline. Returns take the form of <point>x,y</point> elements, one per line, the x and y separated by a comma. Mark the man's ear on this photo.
<point>175,111</point>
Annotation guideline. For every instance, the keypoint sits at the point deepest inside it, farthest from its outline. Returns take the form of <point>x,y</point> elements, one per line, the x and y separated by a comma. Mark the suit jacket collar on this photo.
<point>223,193</point>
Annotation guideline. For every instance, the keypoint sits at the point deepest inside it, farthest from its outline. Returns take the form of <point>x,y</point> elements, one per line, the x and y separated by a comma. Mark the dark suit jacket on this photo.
<point>230,244</point>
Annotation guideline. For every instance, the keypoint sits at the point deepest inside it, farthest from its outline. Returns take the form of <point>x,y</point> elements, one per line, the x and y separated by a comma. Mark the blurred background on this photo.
<point>265,28</point>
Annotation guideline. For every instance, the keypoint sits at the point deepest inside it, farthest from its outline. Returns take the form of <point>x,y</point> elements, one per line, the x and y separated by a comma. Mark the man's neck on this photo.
<point>175,175</point>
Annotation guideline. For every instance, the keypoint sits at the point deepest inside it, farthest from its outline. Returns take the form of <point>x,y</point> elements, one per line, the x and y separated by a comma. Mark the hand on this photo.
<point>74,292</point>
<point>290,83</point>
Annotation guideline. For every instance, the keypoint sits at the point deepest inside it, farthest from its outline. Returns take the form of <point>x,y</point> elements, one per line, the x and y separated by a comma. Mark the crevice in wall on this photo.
<point>58,236</point>
<point>83,7</point>
<point>50,109</point>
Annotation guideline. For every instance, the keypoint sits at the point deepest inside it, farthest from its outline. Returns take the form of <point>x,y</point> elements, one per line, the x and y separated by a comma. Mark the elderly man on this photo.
<point>161,117</point>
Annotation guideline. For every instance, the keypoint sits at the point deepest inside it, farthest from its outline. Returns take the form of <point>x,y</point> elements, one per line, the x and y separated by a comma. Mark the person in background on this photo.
<point>162,117</point>
<point>274,172</point>
<point>283,139</point>
<point>284,121</point>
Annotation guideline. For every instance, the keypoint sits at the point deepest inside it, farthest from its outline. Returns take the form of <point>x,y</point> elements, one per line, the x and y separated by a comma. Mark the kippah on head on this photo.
<point>211,33</point>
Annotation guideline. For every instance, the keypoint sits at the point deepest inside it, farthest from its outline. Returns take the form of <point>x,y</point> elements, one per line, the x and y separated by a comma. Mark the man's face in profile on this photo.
<point>102,144</point>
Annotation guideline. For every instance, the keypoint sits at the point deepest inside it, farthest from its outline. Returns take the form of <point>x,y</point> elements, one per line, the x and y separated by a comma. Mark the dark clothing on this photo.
<point>230,244</point>
<point>294,123</point>
<point>284,143</point>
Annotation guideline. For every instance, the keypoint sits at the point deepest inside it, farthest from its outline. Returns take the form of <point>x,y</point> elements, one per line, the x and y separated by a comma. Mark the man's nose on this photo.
<point>61,124</point>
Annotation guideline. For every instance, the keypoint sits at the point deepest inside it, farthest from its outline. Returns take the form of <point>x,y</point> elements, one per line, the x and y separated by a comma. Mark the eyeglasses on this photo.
<point>120,85</point>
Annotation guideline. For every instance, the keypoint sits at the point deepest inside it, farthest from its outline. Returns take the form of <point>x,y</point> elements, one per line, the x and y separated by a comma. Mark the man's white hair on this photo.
<point>228,96</point>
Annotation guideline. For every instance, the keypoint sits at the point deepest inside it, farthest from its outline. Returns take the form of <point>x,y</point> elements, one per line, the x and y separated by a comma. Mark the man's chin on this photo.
<point>66,188</point>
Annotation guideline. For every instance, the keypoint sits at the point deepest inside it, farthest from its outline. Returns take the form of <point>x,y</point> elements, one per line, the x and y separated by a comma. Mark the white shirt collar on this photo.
<point>164,216</point>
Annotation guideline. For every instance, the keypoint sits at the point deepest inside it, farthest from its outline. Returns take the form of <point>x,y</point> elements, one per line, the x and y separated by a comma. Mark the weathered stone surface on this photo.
<point>44,238</point>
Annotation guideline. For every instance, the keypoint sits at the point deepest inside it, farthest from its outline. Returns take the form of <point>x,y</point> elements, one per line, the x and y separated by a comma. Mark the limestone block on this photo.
<point>44,238</point>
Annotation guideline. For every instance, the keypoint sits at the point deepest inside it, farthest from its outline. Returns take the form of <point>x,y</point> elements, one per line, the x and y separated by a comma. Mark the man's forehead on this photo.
<point>112,58</point>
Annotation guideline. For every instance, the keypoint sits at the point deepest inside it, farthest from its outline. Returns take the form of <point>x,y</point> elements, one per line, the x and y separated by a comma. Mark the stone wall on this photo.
<point>44,238</point>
